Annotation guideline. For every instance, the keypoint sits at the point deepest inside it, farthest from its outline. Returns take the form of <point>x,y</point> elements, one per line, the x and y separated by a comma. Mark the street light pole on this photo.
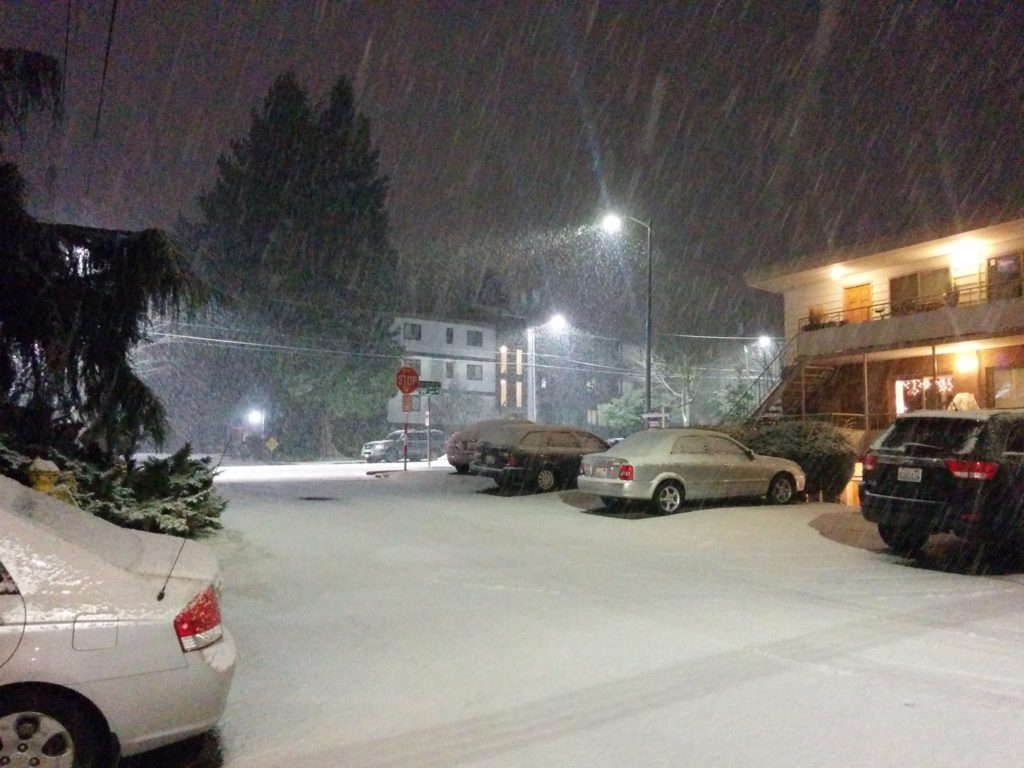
<point>650,293</point>
<point>613,223</point>
<point>556,323</point>
<point>531,382</point>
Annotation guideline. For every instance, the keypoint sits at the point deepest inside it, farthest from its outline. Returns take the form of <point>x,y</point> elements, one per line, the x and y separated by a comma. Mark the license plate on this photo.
<point>909,474</point>
<point>489,459</point>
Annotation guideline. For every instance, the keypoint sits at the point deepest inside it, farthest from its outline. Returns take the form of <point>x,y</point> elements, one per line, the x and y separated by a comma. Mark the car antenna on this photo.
<point>163,589</point>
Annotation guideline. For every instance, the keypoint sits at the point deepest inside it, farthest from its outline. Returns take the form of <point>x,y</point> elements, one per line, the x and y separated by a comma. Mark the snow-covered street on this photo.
<point>420,619</point>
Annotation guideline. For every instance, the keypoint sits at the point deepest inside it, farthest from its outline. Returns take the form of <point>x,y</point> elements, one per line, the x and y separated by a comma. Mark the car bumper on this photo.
<point>459,458</point>
<point>152,710</point>
<point>615,489</point>
<point>936,516</point>
<point>501,475</point>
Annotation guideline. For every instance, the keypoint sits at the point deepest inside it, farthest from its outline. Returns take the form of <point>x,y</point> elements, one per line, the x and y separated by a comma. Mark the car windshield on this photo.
<point>936,434</point>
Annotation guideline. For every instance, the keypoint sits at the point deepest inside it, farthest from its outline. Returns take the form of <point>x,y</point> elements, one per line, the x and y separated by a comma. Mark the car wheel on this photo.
<point>668,498</point>
<point>782,489</point>
<point>39,728</point>
<point>391,454</point>
<point>546,480</point>
<point>903,538</point>
<point>462,469</point>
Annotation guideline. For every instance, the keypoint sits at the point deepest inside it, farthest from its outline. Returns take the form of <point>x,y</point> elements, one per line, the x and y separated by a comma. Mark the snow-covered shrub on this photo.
<point>820,449</point>
<point>164,495</point>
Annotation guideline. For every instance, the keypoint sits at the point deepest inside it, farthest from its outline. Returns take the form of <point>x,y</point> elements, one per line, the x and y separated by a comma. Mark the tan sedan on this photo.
<point>667,466</point>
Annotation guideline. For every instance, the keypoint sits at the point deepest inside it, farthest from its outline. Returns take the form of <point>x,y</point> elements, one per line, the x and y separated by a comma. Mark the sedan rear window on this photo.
<point>690,444</point>
<point>562,440</point>
<point>958,436</point>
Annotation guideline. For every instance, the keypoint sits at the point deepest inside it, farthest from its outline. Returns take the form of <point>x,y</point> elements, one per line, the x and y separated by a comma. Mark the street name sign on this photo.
<point>430,387</point>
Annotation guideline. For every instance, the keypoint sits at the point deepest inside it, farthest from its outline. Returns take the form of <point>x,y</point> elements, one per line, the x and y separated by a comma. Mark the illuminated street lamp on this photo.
<point>556,323</point>
<point>612,224</point>
<point>257,418</point>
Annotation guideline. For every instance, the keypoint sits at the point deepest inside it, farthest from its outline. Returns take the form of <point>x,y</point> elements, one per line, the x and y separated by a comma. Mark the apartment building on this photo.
<point>933,322</point>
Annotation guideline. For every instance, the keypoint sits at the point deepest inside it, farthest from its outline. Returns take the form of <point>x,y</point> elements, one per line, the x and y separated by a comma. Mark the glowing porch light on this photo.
<point>966,362</point>
<point>964,257</point>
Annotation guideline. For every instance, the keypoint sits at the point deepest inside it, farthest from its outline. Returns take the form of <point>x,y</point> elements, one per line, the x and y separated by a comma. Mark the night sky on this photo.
<point>747,133</point>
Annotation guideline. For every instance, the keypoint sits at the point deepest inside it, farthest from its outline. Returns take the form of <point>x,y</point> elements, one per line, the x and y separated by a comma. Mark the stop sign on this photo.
<point>408,380</point>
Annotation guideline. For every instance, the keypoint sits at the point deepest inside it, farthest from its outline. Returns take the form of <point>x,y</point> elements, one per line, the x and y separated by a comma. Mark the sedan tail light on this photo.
<point>869,462</point>
<point>626,472</point>
<point>972,470</point>
<point>198,625</point>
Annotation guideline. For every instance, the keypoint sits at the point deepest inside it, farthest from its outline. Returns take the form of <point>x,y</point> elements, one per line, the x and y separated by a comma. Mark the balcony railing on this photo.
<point>963,294</point>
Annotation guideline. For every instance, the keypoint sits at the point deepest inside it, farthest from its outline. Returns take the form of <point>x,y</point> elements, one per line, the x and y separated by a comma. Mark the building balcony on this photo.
<point>969,312</point>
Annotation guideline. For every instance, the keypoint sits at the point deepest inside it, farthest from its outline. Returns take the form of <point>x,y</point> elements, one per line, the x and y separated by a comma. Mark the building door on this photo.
<point>857,303</point>
<point>1004,277</point>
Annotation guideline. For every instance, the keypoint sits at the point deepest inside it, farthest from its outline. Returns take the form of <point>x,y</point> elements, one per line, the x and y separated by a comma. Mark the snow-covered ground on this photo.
<point>419,619</point>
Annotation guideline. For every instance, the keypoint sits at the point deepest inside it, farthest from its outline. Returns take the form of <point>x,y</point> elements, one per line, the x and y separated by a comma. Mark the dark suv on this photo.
<point>959,472</point>
<point>392,447</point>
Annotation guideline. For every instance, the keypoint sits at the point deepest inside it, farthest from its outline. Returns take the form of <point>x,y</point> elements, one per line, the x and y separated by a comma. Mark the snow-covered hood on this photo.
<point>54,549</point>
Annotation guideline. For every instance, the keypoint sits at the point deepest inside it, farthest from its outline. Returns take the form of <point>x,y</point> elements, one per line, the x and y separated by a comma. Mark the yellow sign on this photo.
<point>272,444</point>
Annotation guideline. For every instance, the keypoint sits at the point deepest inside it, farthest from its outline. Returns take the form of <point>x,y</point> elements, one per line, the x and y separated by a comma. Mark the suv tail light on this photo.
<point>869,462</point>
<point>198,624</point>
<point>972,470</point>
<point>626,472</point>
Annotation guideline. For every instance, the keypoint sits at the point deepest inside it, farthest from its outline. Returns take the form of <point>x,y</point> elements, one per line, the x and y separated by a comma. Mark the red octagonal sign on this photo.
<point>408,380</point>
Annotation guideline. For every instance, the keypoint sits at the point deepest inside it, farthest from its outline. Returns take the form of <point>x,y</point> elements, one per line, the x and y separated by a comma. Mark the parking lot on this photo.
<point>421,619</point>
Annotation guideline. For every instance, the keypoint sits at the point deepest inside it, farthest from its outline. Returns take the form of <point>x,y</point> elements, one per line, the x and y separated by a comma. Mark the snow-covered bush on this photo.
<point>820,449</point>
<point>163,495</point>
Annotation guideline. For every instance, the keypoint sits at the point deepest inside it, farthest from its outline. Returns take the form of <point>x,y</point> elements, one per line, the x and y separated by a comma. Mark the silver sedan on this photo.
<point>667,466</point>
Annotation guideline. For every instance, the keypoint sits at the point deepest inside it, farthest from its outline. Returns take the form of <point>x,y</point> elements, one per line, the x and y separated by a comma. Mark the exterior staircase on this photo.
<point>798,383</point>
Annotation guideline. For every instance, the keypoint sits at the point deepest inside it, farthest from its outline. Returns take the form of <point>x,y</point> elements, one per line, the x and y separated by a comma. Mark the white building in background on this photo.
<point>462,356</point>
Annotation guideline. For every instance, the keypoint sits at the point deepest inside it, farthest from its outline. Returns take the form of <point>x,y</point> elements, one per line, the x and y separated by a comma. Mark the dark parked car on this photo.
<point>536,457</point>
<point>462,444</point>
<point>960,472</point>
<point>391,448</point>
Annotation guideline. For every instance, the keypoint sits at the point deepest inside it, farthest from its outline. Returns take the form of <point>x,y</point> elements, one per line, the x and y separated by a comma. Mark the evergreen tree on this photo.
<point>295,233</point>
<point>75,302</point>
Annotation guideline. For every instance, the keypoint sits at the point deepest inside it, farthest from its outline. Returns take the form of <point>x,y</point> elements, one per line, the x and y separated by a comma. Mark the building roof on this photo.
<point>905,249</point>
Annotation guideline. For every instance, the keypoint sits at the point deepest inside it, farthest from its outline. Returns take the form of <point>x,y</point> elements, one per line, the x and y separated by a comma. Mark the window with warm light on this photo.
<point>919,291</point>
<point>1007,387</point>
<point>916,394</point>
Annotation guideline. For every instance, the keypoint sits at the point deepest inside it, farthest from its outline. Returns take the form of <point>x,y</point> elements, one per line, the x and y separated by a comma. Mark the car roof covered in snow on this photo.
<point>137,551</point>
<point>978,415</point>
